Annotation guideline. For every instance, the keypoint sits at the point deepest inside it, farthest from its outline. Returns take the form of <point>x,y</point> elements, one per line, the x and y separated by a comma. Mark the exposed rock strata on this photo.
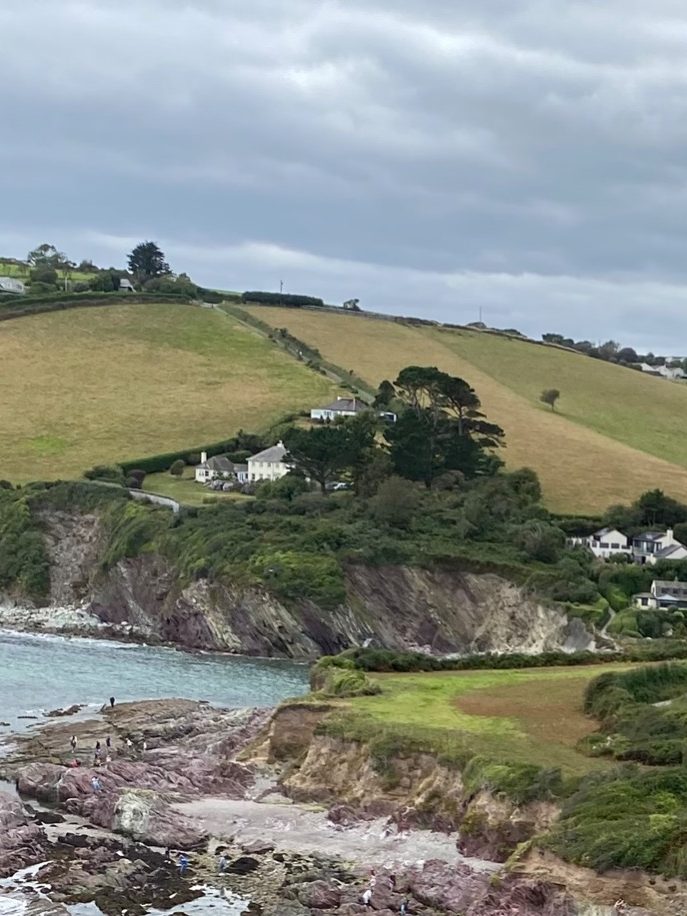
<point>191,753</point>
<point>440,610</point>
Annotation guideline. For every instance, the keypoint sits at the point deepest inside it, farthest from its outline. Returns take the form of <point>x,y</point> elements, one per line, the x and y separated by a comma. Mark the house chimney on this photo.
<point>670,535</point>
<point>203,457</point>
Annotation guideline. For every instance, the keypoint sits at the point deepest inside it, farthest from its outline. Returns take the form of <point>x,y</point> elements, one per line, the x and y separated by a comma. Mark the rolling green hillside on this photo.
<point>93,386</point>
<point>616,433</point>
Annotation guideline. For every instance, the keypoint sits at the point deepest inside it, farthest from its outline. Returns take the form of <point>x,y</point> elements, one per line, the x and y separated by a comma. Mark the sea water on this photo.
<point>41,673</point>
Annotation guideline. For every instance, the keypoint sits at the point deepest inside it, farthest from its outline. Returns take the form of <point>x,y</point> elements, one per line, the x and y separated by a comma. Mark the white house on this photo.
<point>604,543</point>
<point>341,407</point>
<point>11,285</point>
<point>126,286</point>
<point>663,371</point>
<point>220,467</point>
<point>664,594</point>
<point>268,464</point>
<point>648,547</point>
<point>652,546</point>
<point>347,407</point>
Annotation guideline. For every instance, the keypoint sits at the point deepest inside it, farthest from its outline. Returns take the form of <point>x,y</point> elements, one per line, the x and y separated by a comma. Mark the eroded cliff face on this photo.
<point>414,789</point>
<point>440,610</point>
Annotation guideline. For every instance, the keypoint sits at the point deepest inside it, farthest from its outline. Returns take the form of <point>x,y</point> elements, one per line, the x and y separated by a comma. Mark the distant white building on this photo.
<point>12,285</point>
<point>604,543</point>
<point>647,547</point>
<point>652,546</point>
<point>126,286</point>
<point>663,371</point>
<point>347,407</point>
<point>268,464</point>
<point>664,594</point>
<point>341,407</point>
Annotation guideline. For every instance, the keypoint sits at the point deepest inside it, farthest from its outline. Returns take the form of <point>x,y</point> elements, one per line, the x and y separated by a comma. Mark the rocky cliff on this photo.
<point>440,609</point>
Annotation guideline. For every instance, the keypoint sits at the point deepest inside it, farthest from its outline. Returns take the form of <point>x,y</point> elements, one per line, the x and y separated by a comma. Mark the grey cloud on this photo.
<point>526,157</point>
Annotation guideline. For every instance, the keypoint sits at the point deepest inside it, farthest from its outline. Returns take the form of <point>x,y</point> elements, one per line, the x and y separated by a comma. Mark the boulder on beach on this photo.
<point>148,818</point>
<point>40,781</point>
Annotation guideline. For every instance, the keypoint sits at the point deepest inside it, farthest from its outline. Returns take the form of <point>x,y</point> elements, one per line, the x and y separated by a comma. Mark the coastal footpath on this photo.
<point>301,820</point>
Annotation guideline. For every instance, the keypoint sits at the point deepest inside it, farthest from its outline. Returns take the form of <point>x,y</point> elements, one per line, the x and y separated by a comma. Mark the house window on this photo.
<point>615,546</point>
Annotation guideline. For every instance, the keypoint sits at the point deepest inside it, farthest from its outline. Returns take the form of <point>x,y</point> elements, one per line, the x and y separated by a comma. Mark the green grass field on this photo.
<point>531,716</point>
<point>616,433</point>
<point>95,386</point>
<point>185,489</point>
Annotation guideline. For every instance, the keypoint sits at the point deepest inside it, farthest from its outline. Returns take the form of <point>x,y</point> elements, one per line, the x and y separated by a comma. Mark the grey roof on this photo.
<point>602,531</point>
<point>274,454</point>
<point>649,536</point>
<point>665,552</point>
<point>346,404</point>
<point>218,463</point>
<point>240,467</point>
<point>668,583</point>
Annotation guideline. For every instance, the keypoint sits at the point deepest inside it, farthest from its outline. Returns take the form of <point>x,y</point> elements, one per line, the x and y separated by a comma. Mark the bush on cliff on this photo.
<point>340,682</point>
<point>24,561</point>
<point>626,818</point>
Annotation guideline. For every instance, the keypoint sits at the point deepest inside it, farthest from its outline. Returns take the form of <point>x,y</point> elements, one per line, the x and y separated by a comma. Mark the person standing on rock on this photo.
<point>97,785</point>
<point>108,742</point>
<point>73,741</point>
<point>112,702</point>
<point>403,909</point>
<point>367,897</point>
<point>183,863</point>
<point>222,863</point>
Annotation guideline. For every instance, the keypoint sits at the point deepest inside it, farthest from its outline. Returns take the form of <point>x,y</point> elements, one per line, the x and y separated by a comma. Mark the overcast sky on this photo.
<point>525,156</point>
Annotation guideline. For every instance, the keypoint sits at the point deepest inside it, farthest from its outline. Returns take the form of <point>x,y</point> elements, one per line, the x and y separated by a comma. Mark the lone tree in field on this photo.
<point>147,261</point>
<point>550,396</point>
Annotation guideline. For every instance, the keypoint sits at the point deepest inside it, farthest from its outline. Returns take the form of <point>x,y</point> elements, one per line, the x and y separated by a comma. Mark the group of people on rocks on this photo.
<point>103,755</point>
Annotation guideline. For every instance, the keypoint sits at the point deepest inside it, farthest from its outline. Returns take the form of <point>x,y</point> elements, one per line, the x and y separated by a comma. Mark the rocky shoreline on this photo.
<point>184,777</point>
<point>66,620</point>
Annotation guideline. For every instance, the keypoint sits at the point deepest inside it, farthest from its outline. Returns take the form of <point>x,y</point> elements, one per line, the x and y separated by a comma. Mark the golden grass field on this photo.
<point>96,386</point>
<point>615,434</point>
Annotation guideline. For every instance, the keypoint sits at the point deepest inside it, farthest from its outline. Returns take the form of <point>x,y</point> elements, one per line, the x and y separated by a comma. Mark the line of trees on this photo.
<point>611,351</point>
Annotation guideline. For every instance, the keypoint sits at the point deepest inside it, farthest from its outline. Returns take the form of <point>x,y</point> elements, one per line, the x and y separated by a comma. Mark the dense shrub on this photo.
<point>626,819</point>
<point>177,468</point>
<point>112,473</point>
<point>266,298</point>
<point>342,682</point>
<point>24,561</point>
<point>395,502</point>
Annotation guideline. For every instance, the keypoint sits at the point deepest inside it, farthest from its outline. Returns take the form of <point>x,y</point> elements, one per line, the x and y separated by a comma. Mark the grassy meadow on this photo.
<point>185,489</point>
<point>531,716</point>
<point>616,433</point>
<point>95,386</point>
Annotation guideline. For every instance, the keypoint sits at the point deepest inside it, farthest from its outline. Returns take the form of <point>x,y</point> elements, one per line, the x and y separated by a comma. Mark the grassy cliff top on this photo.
<point>532,716</point>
